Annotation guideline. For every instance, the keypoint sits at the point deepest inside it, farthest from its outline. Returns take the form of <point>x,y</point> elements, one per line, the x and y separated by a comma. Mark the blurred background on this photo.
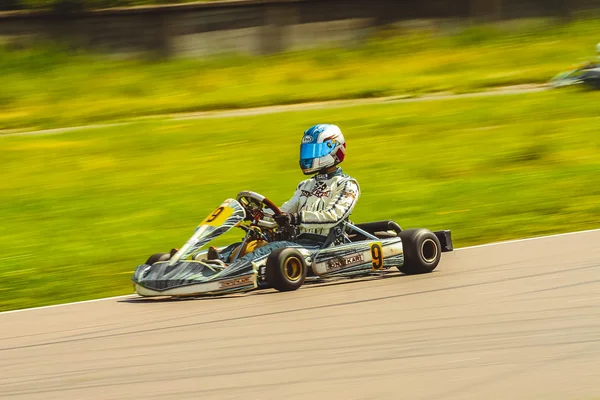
<point>124,123</point>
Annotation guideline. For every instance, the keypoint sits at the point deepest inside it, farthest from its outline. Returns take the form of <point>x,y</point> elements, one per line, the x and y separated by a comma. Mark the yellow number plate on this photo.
<point>218,217</point>
<point>377,256</point>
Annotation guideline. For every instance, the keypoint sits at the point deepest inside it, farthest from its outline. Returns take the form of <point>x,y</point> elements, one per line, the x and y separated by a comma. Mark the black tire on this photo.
<point>158,257</point>
<point>593,82</point>
<point>422,251</point>
<point>286,269</point>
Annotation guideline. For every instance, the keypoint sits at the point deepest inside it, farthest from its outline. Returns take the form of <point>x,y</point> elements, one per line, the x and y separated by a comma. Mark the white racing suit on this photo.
<point>323,201</point>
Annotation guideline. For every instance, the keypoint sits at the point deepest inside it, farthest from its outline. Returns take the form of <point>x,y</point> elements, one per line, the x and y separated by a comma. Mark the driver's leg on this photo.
<point>231,251</point>
<point>214,254</point>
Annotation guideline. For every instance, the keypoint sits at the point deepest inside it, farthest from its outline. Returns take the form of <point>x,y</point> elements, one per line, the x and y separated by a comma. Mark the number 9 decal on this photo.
<point>214,215</point>
<point>377,256</point>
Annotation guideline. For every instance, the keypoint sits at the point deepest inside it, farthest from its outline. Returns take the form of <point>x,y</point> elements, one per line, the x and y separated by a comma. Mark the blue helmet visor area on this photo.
<point>310,150</point>
<point>306,164</point>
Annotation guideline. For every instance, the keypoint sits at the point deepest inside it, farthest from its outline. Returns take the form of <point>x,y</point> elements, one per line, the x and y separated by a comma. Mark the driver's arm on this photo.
<point>342,202</point>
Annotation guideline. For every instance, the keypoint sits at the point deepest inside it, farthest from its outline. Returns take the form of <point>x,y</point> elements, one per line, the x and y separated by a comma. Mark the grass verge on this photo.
<point>81,209</point>
<point>48,88</point>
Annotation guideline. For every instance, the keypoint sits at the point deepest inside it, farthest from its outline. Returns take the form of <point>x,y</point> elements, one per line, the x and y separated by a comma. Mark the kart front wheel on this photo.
<point>154,258</point>
<point>422,251</point>
<point>286,269</point>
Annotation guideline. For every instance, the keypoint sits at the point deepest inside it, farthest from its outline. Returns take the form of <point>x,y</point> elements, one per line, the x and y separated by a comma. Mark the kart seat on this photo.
<point>381,229</point>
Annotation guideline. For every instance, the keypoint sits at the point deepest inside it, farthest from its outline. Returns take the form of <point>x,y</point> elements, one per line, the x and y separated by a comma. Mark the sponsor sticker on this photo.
<point>307,139</point>
<point>321,190</point>
<point>342,262</point>
<point>349,193</point>
<point>236,282</point>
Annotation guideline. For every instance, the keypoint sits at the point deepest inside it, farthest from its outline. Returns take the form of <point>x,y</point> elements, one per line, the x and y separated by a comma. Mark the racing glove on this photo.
<point>287,219</point>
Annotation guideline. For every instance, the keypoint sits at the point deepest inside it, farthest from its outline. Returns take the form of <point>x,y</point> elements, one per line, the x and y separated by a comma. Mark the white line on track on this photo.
<point>68,304</point>
<point>460,248</point>
<point>279,108</point>
<point>527,239</point>
<point>55,131</point>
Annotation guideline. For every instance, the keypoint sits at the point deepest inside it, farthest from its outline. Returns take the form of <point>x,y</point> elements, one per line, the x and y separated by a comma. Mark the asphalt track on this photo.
<point>512,321</point>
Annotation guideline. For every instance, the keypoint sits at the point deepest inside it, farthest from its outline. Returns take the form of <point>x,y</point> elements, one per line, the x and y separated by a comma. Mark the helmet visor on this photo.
<point>315,150</point>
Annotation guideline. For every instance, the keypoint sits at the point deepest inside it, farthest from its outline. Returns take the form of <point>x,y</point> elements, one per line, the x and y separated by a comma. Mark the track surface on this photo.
<point>508,321</point>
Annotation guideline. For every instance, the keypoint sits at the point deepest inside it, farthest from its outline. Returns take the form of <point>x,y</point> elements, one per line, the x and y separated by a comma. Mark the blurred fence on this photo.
<point>256,26</point>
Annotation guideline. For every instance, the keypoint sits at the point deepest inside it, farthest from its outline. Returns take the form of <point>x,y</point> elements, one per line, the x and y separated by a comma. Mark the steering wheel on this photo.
<point>255,203</point>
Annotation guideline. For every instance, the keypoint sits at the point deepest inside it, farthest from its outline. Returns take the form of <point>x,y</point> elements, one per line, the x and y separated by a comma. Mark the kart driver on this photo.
<point>327,198</point>
<point>322,201</point>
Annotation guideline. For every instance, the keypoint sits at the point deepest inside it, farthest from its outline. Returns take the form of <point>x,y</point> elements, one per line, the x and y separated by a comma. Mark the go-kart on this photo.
<point>286,258</point>
<point>587,75</point>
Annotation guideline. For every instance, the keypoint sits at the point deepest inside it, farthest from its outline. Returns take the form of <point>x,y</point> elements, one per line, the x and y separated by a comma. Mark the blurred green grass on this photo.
<point>50,87</point>
<point>81,209</point>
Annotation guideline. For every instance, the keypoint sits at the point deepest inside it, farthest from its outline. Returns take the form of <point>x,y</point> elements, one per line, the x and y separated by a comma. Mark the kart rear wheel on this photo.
<point>286,269</point>
<point>158,257</point>
<point>422,251</point>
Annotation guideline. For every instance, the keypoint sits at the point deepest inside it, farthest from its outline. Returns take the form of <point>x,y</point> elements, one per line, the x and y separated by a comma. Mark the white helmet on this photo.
<point>323,146</point>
